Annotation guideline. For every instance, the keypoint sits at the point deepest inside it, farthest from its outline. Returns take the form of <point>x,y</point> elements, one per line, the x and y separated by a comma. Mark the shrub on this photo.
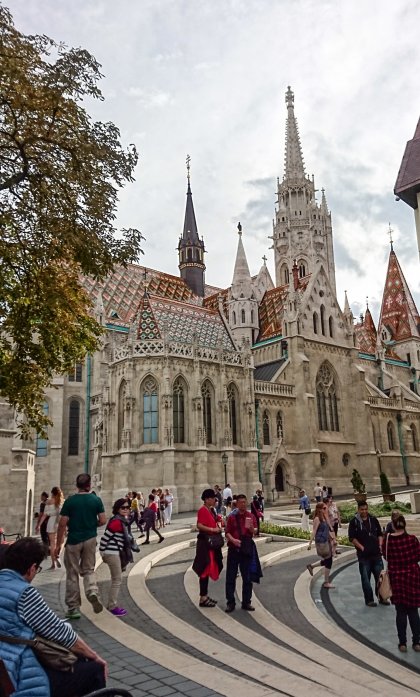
<point>357,482</point>
<point>348,510</point>
<point>385,485</point>
<point>296,533</point>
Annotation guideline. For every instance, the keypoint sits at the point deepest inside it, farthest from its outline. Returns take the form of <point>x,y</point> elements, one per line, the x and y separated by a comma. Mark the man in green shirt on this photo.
<point>81,514</point>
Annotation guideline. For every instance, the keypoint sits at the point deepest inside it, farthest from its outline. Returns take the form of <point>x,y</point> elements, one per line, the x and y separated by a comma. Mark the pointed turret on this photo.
<point>302,229</point>
<point>365,333</point>
<point>242,300</point>
<point>145,325</point>
<point>347,308</point>
<point>190,247</point>
<point>241,281</point>
<point>399,319</point>
<point>293,162</point>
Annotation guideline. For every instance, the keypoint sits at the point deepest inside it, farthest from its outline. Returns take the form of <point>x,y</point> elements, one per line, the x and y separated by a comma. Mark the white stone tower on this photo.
<point>242,301</point>
<point>302,230</point>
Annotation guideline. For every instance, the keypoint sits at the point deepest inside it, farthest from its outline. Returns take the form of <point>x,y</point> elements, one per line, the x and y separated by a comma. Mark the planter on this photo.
<point>360,498</point>
<point>388,497</point>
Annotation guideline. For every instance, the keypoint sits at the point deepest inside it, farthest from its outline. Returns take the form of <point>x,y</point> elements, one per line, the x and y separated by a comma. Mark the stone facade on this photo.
<point>275,376</point>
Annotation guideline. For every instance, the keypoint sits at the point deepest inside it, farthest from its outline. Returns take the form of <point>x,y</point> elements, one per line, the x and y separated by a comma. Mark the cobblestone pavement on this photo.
<point>299,640</point>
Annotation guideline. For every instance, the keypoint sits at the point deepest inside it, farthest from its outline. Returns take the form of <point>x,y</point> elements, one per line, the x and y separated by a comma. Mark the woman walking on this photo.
<point>115,548</point>
<point>168,506</point>
<point>323,535</point>
<point>52,511</point>
<point>335,519</point>
<point>305,506</point>
<point>402,552</point>
<point>208,561</point>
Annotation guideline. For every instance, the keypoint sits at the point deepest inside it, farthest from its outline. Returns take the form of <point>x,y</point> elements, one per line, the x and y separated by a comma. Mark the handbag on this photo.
<point>215,541</point>
<point>49,653</point>
<point>384,583</point>
<point>323,549</point>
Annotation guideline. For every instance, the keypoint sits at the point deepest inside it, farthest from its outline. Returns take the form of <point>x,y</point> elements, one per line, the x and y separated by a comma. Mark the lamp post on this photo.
<point>225,459</point>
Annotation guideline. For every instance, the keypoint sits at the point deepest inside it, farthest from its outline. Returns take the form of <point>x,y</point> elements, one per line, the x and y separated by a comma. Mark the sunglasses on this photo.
<point>127,507</point>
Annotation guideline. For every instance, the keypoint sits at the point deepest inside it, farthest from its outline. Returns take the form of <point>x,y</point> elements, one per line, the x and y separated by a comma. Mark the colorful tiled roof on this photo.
<point>271,312</point>
<point>366,335</point>
<point>211,302</point>
<point>122,291</point>
<point>399,313</point>
<point>147,327</point>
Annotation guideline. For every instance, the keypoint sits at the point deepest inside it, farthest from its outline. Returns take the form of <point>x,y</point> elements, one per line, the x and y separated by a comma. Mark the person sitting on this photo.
<point>25,614</point>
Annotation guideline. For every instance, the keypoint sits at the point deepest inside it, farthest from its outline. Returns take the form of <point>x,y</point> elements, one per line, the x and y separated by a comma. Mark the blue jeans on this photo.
<point>235,560</point>
<point>367,567</point>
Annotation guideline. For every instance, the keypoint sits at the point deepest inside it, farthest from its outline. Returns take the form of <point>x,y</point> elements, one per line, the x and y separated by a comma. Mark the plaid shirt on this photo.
<point>404,572</point>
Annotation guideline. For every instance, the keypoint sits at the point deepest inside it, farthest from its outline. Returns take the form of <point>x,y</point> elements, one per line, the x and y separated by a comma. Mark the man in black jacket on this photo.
<point>366,535</point>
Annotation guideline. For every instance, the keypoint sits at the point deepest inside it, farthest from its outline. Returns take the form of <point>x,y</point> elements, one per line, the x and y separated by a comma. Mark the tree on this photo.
<point>59,178</point>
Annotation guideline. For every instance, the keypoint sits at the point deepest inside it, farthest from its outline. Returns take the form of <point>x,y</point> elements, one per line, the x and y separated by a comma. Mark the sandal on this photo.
<point>208,602</point>
<point>328,585</point>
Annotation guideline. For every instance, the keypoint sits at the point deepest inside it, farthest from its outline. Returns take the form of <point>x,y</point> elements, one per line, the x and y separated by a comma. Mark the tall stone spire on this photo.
<point>302,228</point>
<point>242,301</point>
<point>241,281</point>
<point>294,170</point>
<point>190,247</point>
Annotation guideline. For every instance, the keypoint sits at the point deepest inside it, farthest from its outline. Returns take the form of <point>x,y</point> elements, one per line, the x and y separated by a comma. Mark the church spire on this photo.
<point>241,281</point>
<point>399,315</point>
<point>190,247</point>
<point>294,169</point>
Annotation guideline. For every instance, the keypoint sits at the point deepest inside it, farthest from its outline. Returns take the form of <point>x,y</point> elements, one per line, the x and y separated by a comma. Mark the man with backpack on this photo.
<point>366,535</point>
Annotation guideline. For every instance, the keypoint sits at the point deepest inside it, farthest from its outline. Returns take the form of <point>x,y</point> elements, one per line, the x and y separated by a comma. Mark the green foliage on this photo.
<point>59,178</point>
<point>297,533</point>
<point>385,485</point>
<point>380,510</point>
<point>357,482</point>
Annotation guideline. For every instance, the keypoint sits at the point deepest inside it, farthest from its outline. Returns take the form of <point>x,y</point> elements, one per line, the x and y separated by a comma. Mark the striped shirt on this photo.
<point>112,541</point>
<point>34,611</point>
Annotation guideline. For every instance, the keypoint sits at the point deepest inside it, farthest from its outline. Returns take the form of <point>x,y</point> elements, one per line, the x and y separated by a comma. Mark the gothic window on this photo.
<point>234,317</point>
<point>315,321</point>
<point>207,399</point>
<point>178,410</point>
<point>322,315</point>
<point>266,427</point>
<point>76,374</point>
<point>284,275</point>
<point>279,425</point>
<point>42,443</point>
<point>326,399</point>
<point>391,436</point>
<point>302,270</point>
<point>243,316</point>
<point>121,395</point>
<point>252,316</point>
<point>189,254</point>
<point>74,427</point>
<point>232,395</point>
<point>150,411</point>
<point>414,438</point>
<point>330,326</point>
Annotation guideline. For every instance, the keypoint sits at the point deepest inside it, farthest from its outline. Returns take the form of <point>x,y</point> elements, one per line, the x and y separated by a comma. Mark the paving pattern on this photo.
<point>300,640</point>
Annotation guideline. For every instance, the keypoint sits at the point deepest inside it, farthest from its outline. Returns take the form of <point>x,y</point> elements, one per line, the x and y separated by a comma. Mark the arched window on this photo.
<point>284,275</point>
<point>76,374</point>
<point>326,398</point>
<point>330,326</point>
<point>315,321</point>
<point>207,399</point>
<point>243,316</point>
<point>234,317</point>
<point>302,270</point>
<point>322,315</point>
<point>279,425</point>
<point>232,395</point>
<point>391,436</point>
<point>266,427</point>
<point>150,411</point>
<point>252,316</point>
<point>414,438</point>
<point>74,427</point>
<point>121,411</point>
<point>189,254</point>
<point>178,410</point>
<point>42,443</point>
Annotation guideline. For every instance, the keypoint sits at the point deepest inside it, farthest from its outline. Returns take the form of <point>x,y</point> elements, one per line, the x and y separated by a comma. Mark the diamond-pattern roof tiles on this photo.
<point>271,312</point>
<point>366,334</point>
<point>399,313</point>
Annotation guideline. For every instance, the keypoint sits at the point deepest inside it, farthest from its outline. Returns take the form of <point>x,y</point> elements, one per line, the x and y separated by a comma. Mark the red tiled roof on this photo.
<point>212,301</point>
<point>399,313</point>
<point>271,312</point>
<point>366,334</point>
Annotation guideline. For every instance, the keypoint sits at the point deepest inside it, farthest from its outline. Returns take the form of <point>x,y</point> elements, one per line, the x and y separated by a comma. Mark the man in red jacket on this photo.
<point>240,529</point>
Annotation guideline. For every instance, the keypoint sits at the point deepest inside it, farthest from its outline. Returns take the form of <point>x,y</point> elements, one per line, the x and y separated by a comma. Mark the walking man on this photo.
<point>81,514</point>
<point>318,492</point>
<point>366,535</point>
<point>305,506</point>
<point>240,529</point>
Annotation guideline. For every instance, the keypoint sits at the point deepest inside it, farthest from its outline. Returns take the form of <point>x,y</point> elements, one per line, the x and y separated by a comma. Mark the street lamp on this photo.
<point>225,459</point>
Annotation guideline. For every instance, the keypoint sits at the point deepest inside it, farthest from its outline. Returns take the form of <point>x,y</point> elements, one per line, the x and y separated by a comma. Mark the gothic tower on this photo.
<point>302,229</point>
<point>242,302</point>
<point>191,248</point>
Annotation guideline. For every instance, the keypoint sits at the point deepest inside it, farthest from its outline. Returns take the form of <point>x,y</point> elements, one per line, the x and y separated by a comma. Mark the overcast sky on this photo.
<point>208,77</point>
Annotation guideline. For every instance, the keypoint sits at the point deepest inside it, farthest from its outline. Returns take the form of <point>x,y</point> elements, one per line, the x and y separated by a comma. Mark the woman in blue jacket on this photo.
<point>25,614</point>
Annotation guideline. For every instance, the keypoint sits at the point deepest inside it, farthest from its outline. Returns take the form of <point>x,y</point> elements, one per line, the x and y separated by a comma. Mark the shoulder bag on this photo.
<point>49,653</point>
<point>216,540</point>
<point>384,583</point>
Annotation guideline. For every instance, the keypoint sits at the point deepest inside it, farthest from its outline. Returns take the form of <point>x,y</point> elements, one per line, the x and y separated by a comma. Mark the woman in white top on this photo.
<point>52,511</point>
<point>168,506</point>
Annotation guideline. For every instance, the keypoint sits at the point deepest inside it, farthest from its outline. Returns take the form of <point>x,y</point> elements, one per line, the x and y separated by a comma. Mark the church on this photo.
<point>265,382</point>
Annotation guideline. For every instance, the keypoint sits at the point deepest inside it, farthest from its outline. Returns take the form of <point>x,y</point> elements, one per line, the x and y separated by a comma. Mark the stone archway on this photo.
<point>279,477</point>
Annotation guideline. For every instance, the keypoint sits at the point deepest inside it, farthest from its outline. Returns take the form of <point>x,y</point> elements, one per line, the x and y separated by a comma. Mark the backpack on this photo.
<point>323,532</point>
